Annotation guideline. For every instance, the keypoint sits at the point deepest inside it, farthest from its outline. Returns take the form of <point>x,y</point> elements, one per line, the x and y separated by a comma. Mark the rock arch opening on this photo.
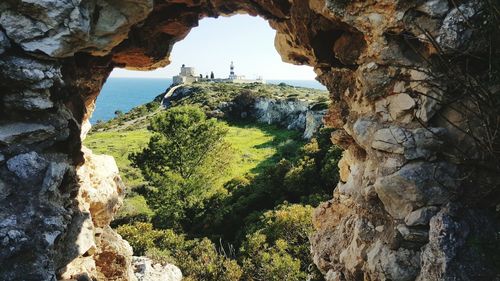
<point>399,210</point>
<point>241,106</point>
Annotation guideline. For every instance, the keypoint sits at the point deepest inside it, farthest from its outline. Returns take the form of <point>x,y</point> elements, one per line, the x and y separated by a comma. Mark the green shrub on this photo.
<point>197,259</point>
<point>140,236</point>
<point>269,262</point>
<point>277,247</point>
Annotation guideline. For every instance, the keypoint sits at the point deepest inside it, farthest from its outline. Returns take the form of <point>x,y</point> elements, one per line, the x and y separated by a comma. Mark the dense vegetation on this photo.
<point>221,200</point>
<point>210,95</point>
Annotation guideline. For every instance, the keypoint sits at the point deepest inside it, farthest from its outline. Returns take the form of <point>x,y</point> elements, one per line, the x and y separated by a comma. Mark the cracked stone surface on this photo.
<point>401,211</point>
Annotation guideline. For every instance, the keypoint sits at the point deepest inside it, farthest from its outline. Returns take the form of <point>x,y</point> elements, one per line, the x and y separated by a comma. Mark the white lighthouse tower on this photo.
<point>232,75</point>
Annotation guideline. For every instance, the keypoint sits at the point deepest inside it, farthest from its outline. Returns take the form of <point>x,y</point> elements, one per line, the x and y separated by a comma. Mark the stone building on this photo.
<point>187,75</point>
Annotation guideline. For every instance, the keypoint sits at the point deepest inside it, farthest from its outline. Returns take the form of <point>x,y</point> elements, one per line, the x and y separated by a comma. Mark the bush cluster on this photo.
<point>250,228</point>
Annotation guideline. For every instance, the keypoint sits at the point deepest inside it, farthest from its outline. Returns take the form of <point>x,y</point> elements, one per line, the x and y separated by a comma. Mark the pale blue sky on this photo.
<point>246,40</point>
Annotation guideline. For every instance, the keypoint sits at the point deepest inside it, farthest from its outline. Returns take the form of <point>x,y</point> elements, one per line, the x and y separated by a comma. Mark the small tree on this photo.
<point>184,159</point>
<point>212,76</point>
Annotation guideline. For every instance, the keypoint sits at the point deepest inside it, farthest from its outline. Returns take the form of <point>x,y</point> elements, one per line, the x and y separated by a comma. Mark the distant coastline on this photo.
<point>123,93</point>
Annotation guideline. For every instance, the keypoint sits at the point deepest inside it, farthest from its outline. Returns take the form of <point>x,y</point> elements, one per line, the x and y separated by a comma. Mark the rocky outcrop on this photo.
<point>147,270</point>
<point>414,100</point>
<point>93,26</point>
<point>100,253</point>
<point>291,114</point>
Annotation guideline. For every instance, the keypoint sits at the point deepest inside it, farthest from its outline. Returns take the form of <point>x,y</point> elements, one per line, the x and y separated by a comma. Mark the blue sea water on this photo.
<point>126,93</point>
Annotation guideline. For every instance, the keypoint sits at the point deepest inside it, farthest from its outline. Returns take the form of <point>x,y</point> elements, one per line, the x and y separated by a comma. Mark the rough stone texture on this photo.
<point>293,114</point>
<point>415,185</point>
<point>100,252</point>
<point>4,43</point>
<point>27,166</point>
<point>146,270</point>
<point>15,132</point>
<point>421,216</point>
<point>95,26</point>
<point>373,56</point>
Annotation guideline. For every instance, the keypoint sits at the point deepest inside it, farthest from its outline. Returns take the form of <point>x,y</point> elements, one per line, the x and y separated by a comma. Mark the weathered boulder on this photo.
<point>449,254</point>
<point>101,188</point>
<point>72,25</point>
<point>396,108</point>
<point>415,144</point>
<point>384,263</point>
<point>455,32</point>
<point>415,185</point>
<point>146,270</point>
<point>27,166</point>
<point>98,251</point>
<point>421,216</point>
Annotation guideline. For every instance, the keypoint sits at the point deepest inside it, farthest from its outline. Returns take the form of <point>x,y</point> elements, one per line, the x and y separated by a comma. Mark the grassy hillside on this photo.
<point>209,96</point>
<point>120,144</point>
<point>262,208</point>
<point>258,146</point>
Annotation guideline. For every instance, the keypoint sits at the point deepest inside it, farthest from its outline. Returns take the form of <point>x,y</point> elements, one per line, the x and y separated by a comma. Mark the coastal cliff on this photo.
<point>290,107</point>
<point>294,115</point>
<point>414,85</point>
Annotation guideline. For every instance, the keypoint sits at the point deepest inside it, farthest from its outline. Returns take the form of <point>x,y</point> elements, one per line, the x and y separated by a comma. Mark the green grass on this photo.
<point>258,146</point>
<point>120,145</point>
<point>134,205</point>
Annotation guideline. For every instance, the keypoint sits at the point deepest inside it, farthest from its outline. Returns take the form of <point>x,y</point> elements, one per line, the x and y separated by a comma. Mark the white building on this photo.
<point>186,76</point>
<point>233,78</point>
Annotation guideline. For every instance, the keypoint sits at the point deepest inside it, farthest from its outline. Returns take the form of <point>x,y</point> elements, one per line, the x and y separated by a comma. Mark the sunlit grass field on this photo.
<point>119,145</point>
<point>257,146</point>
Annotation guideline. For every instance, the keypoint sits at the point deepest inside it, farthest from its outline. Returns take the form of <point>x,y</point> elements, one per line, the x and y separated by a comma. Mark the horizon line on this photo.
<point>270,79</point>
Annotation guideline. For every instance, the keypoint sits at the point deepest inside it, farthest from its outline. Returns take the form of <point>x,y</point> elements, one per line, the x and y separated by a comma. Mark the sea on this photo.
<point>123,94</point>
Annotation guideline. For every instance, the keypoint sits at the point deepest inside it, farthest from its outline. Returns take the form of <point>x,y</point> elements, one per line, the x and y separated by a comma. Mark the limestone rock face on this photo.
<point>97,25</point>
<point>100,252</point>
<point>418,196</point>
<point>292,114</point>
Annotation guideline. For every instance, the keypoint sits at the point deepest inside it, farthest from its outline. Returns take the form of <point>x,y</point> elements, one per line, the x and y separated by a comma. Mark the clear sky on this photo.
<point>246,40</point>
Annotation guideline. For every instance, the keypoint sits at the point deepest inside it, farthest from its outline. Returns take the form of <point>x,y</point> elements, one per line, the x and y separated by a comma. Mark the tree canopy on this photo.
<point>183,161</point>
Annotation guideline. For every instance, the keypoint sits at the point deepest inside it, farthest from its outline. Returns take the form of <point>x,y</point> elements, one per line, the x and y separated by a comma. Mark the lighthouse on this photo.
<point>232,75</point>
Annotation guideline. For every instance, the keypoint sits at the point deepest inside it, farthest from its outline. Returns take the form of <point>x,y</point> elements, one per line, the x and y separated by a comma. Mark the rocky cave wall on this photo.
<point>406,207</point>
